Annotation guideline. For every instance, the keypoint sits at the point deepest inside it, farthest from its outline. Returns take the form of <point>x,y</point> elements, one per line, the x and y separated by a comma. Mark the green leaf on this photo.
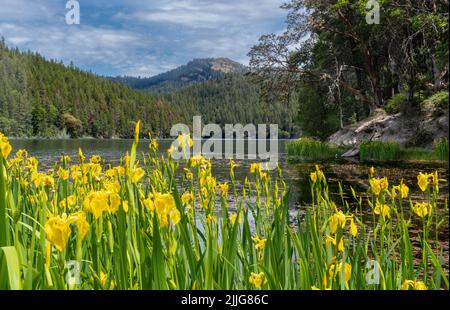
<point>11,259</point>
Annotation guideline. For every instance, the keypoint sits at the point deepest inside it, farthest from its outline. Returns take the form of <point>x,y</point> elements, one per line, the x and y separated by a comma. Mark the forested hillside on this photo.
<point>231,99</point>
<point>47,99</point>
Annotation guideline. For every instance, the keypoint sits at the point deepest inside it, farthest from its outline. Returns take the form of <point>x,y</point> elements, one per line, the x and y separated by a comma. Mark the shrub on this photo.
<point>73,125</point>
<point>396,103</point>
<point>439,100</point>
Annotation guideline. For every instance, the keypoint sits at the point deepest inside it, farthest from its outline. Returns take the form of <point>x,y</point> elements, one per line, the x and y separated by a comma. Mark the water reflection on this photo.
<point>349,173</point>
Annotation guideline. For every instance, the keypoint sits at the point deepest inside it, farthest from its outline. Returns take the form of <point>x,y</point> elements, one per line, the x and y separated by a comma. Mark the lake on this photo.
<point>350,172</point>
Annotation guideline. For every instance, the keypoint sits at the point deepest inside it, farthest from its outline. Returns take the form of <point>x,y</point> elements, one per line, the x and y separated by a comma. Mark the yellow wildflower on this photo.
<point>65,158</point>
<point>313,176</point>
<point>175,216</point>
<point>136,132</point>
<point>320,174</point>
<point>186,198</point>
<point>68,202</point>
<point>120,170</point>
<point>164,205</point>
<point>371,172</point>
<point>255,167</point>
<point>164,202</point>
<point>415,285</point>
<point>43,180</point>
<point>337,220</point>
<point>258,280</point>
<point>185,141</point>
<point>111,173</point>
<point>81,155</point>
<point>57,230</point>
<point>153,145</point>
<point>113,187</point>
<point>347,271</point>
<point>224,189</point>
<point>82,225</point>
<point>211,219</point>
<point>353,228</point>
<point>63,174</point>
<point>384,210</point>
<point>188,174</point>
<point>233,217</point>
<point>232,166</point>
<point>378,185</point>
<point>137,175</point>
<point>171,150</point>
<point>5,146</point>
<point>422,209</point>
<point>95,159</point>
<point>259,243</point>
<point>332,240</point>
<point>402,189</point>
<point>423,181</point>
<point>114,202</point>
<point>97,203</point>
<point>103,279</point>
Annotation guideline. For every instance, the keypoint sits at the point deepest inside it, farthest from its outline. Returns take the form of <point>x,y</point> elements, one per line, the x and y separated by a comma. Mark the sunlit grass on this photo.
<point>134,226</point>
<point>310,149</point>
<point>392,151</point>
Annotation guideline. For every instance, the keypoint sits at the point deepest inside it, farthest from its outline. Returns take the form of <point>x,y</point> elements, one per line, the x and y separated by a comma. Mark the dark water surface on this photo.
<point>349,172</point>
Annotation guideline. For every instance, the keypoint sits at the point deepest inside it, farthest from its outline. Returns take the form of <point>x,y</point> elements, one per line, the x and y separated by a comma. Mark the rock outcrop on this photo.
<point>410,131</point>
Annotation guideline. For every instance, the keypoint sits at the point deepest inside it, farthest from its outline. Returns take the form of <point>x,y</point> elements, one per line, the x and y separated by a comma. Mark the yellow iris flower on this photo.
<point>422,209</point>
<point>415,285</point>
<point>259,243</point>
<point>347,271</point>
<point>378,185</point>
<point>337,220</point>
<point>423,180</point>
<point>382,209</point>
<point>57,230</point>
<point>313,176</point>
<point>402,189</point>
<point>5,146</point>
<point>137,175</point>
<point>257,279</point>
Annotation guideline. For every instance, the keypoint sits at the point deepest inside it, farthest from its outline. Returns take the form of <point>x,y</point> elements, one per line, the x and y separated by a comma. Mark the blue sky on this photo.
<point>139,37</point>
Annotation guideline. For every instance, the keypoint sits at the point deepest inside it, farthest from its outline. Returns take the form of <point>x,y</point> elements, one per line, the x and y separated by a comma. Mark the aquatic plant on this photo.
<point>392,151</point>
<point>310,149</point>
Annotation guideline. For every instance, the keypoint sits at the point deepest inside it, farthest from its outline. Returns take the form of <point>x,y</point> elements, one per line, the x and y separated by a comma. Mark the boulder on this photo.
<point>409,131</point>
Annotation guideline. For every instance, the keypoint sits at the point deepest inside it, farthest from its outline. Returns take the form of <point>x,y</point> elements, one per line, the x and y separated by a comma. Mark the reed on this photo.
<point>392,151</point>
<point>306,148</point>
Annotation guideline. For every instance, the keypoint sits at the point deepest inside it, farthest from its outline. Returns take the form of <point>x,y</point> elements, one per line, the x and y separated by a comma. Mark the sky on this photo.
<point>139,37</point>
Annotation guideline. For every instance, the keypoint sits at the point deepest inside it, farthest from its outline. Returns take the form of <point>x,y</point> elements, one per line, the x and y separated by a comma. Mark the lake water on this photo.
<point>349,172</point>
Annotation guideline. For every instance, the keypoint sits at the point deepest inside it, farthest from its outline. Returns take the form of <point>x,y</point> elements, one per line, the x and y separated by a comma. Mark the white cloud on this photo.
<point>235,47</point>
<point>206,14</point>
<point>139,37</point>
<point>25,10</point>
<point>89,47</point>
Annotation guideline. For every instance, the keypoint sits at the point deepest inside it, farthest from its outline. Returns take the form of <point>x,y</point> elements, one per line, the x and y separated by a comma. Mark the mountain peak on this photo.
<point>197,70</point>
<point>225,65</point>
